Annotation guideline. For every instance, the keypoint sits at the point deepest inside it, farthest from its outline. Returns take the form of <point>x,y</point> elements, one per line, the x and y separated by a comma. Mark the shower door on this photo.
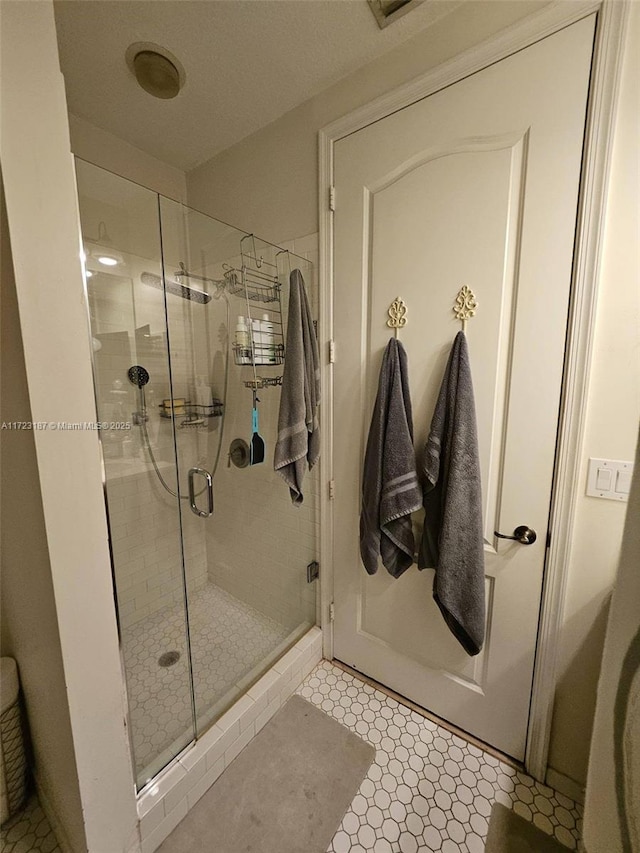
<point>246,547</point>
<point>209,557</point>
<point>132,374</point>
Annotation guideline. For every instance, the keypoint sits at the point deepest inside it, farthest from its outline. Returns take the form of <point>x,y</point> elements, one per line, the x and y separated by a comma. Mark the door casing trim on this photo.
<point>605,75</point>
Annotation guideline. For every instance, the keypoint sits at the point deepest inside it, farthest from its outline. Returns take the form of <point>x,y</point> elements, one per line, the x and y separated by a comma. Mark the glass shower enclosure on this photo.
<point>187,323</point>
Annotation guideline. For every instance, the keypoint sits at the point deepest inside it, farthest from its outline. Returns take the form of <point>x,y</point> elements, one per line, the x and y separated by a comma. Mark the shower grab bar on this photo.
<point>201,513</point>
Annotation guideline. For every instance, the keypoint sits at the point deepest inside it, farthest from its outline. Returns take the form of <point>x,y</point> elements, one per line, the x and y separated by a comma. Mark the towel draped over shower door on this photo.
<point>298,442</point>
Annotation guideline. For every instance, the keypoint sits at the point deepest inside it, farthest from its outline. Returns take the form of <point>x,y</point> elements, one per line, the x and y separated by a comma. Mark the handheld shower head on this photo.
<point>138,376</point>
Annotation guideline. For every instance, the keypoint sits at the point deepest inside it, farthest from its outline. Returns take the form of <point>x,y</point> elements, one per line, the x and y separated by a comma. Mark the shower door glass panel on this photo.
<point>248,596</point>
<point>122,244</point>
<point>206,600</point>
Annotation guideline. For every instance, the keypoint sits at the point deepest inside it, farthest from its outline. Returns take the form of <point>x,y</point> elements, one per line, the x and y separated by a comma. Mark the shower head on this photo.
<point>138,376</point>
<point>219,284</point>
<point>177,289</point>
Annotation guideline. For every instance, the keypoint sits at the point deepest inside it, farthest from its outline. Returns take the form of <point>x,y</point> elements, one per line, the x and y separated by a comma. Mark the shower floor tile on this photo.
<point>427,789</point>
<point>228,639</point>
<point>29,831</point>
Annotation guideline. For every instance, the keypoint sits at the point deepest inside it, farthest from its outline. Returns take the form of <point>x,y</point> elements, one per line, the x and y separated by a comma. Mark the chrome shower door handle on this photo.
<point>201,513</point>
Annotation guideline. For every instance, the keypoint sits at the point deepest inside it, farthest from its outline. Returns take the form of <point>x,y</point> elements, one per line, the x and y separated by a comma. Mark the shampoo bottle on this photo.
<point>268,340</point>
<point>258,342</point>
<point>202,395</point>
<point>243,341</point>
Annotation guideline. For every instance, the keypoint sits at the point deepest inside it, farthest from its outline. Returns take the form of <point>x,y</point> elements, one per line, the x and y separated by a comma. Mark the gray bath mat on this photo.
<point>285,793</point>
<point>510,833</point>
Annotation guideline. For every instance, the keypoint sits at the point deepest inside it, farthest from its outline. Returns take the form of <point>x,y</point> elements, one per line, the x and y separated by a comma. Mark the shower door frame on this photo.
<point>605,74</point>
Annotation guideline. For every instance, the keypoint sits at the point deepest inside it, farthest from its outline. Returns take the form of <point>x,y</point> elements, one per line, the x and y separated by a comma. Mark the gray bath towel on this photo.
<point>452,541</point>
<point>390,490</point>
<point>298,443</point>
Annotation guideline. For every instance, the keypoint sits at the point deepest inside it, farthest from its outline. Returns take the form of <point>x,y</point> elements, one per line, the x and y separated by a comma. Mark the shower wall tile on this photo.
<point>202,786</point>
<point>238,745</point>
<point>152,841</point>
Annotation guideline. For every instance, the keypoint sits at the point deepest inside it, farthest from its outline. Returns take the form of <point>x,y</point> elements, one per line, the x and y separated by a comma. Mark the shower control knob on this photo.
<point>523,534</point>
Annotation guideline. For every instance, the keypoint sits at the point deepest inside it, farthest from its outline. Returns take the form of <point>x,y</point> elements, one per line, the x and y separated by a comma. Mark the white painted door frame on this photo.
<point>612,18</point>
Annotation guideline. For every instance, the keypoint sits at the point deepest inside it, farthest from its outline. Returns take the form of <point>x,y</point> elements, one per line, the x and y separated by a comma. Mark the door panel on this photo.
<point>474,185</point>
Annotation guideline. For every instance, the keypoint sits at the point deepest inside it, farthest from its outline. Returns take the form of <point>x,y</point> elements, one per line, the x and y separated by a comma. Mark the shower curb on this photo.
<point>178,788</point>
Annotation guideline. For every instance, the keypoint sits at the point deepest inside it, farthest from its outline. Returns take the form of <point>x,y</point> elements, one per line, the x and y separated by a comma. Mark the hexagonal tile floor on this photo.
<point>29,831</point>
<point>228,639</point>
<point>427,789</point>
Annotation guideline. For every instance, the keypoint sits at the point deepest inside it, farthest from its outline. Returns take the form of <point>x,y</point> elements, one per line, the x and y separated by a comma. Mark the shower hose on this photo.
<point>145,434</point>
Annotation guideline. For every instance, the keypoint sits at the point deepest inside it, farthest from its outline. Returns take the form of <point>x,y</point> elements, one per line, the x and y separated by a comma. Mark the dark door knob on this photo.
<point>523,534</point>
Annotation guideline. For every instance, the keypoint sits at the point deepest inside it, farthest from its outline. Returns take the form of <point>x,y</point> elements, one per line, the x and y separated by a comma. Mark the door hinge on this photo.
<point>332,489</point>
<point>313,571</point>
<point>549,539</point>
<point>332,352</point>
<point>332,612</point>
<point>332,198</point>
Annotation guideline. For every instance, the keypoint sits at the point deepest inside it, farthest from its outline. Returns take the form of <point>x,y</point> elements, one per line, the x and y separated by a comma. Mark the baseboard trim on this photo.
<point>565,785</point>
<point>429,715</point>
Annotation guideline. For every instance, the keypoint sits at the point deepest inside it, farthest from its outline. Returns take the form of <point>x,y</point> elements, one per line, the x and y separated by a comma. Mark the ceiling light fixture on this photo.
<point>157,70</point>
<point>103,235</point>
<point>108,260</point>
<point>101,249</point>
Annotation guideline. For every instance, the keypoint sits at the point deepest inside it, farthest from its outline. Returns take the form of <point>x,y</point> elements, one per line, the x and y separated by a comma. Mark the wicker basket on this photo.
<point>13,763</point>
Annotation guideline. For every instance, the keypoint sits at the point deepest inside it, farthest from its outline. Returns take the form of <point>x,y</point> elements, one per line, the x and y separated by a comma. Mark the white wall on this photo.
<point>42,214</point>
<point>611,431</point>
<point>613,786</point>
<point>269,183</point>
<point>102,148</point>
<point>29,622</point>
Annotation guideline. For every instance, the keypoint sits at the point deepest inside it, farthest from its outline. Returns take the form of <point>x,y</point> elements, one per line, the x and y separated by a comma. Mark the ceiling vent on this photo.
<point>157,71</point>
<point>387,11</point>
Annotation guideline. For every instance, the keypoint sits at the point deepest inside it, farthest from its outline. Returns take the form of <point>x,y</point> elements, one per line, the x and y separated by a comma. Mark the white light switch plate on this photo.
<point>610,479</point>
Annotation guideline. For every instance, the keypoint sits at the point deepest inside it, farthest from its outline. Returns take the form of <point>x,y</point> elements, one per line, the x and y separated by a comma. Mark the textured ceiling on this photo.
<point>247,62</point>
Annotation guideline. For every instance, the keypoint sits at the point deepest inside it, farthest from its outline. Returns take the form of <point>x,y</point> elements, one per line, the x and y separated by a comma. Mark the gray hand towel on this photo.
<point>390,490</point>
<point>298,442</point>
<point>452,541</point>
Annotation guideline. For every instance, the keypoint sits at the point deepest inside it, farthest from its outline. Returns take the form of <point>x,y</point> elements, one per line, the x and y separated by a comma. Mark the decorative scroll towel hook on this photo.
<point>465,305</point>
<point>397,315</point>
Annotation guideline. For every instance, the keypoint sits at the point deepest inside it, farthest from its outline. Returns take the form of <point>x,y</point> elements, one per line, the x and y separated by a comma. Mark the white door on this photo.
<point>475,185</point>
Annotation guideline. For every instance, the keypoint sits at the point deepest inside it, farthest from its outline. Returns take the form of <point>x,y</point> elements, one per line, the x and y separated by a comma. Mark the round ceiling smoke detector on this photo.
<point>157,71</point>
